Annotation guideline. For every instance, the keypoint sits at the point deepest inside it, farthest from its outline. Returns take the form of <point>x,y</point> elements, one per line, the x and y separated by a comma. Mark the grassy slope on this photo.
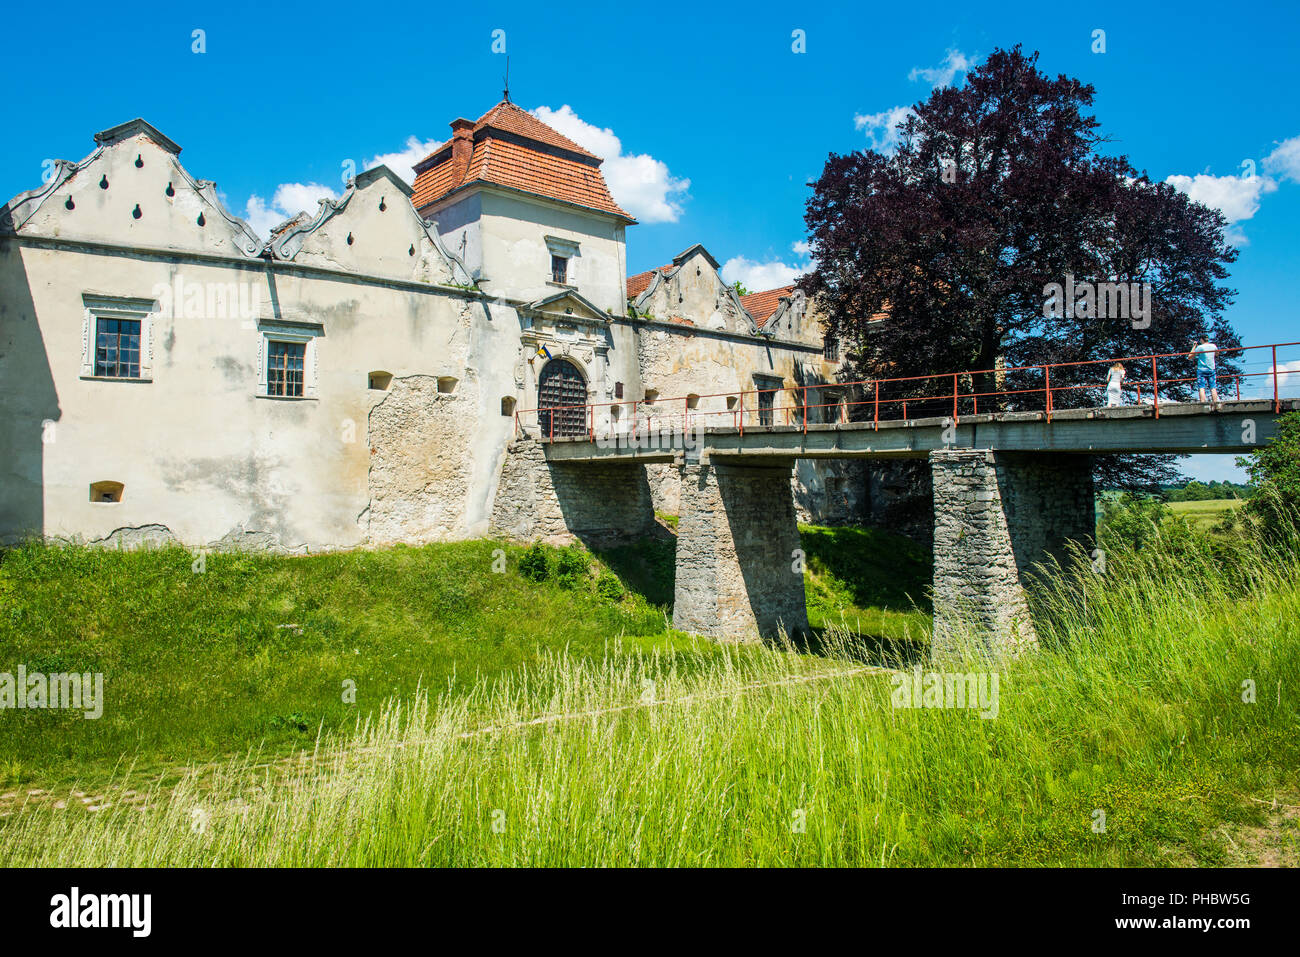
<point>255,650</point>
<point>867,581</point>
<point>1135,709</point>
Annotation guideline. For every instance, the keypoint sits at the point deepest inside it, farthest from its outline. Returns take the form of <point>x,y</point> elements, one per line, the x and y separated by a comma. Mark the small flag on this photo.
<point>544,352</point>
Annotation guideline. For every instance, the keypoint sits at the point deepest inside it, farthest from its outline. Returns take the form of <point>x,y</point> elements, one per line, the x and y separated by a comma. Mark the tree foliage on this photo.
<point>1275,471</point>
<point>997,189</point>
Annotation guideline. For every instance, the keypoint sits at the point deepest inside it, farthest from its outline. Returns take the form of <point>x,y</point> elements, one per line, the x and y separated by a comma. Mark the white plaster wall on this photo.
<point>196,448</point>
<point>517,262</point>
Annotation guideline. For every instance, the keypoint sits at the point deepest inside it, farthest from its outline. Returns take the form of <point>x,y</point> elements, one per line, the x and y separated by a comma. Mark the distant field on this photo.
<point>1205,514</point>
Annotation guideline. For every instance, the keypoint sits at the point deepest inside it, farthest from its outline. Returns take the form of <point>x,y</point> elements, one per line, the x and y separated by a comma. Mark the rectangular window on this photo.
<point>765,401</point>
<point>284,366</point>
<point>117,348</point>
<point>559,269</point>
<point>831,350</point>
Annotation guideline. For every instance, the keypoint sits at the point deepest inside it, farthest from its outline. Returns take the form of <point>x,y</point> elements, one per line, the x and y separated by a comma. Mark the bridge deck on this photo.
<point>1234,428</point>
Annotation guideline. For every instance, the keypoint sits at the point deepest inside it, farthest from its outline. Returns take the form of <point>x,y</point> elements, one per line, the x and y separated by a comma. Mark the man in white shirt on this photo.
<point>1203,353</point>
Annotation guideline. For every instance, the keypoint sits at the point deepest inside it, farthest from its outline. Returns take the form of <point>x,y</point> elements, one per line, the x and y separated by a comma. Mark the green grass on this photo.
<point>258,651</point>
<point>1136,708</point>
<point>868,582</point>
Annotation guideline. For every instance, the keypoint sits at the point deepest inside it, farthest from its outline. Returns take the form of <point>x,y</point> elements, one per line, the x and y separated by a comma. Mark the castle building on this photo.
<point>357,377</point>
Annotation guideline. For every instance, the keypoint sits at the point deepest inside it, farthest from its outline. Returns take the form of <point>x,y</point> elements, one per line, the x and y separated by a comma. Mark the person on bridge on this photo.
<point>1114,382</point>
<point>1203,353</point>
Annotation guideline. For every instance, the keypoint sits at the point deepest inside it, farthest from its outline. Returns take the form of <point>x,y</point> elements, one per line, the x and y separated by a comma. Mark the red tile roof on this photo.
<point>512,148</point>
<point>641,281</point>
<point>761,305</point>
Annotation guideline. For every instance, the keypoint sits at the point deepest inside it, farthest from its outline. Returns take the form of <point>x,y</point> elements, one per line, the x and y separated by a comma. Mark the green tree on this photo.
<point>1274,470</point>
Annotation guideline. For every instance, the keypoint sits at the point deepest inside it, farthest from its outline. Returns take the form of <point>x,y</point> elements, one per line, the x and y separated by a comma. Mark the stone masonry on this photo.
<point>995,516</point>
<point>557,502</point>
<point>739,573</point>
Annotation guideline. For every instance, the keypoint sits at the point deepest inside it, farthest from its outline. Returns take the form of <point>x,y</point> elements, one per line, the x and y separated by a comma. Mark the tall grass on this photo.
<point>1125,740</point>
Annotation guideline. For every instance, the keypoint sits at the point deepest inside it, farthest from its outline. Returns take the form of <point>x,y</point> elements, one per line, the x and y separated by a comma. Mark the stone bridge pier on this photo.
<point>739,563</point>
<point>557,502</point>
<point>997,514</point>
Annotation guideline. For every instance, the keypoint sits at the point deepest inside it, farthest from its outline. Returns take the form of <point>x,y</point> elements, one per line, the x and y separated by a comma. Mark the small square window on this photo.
<point>559,269</point>
<point>284,368</point>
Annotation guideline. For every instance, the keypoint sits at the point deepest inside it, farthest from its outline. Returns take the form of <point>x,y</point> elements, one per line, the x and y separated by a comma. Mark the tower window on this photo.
<point>559,269</point>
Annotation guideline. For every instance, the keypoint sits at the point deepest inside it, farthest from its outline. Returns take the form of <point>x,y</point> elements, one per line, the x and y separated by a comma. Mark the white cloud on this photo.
<point>800,248</point>
<point>1285,160</point>
<point>882,128</point>
<point>757,277</point>
<point>288,201</point>
<point>1237,197</point>
<point>942,75</point>
<point>403,162</point>
<point>639,183</point>
<point>1288,375</point>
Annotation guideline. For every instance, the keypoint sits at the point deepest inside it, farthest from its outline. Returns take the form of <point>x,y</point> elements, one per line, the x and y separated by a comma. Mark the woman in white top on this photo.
<point>1114,381</point>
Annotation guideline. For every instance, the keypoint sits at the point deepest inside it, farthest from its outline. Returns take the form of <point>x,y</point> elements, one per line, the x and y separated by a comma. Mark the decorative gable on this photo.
<point>694,290</point>
<point>132,191</point>
<point>373,229</point>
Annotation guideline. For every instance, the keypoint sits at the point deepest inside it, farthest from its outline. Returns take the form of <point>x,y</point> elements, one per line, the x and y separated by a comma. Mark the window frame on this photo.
<point>118,308</point>
<point>568,250</point>
<point>304,334</point>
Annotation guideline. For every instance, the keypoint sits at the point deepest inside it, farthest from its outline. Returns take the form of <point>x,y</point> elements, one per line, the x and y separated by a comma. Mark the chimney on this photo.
<point>462,145</point>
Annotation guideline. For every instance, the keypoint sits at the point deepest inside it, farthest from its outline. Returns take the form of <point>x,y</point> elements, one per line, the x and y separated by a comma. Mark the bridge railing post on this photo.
<point>954,398</point>
<point>1047,387</point>
<point>1155,386</point>
<point>1276,405</point>
<point>877,417</point>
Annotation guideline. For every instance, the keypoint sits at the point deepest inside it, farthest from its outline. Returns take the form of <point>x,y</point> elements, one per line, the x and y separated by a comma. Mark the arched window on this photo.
<point>561,399</point>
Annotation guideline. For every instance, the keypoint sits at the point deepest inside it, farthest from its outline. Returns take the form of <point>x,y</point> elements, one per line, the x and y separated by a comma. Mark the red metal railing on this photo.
<point>869,396</point>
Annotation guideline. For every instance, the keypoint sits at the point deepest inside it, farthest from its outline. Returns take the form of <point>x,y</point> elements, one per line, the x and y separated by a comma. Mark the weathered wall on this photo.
<point>736,554</point>
<point>996,516</point>
<point>209,459</point>
<point>202,451</point>
<point>677,359</point>
<point>596,504</point>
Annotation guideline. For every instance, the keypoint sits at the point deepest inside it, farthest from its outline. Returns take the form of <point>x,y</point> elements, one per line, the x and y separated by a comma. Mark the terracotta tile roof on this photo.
<point>509,147</point>
<point>506,116</point>
<point>641,281</point>
<point>761,305</point>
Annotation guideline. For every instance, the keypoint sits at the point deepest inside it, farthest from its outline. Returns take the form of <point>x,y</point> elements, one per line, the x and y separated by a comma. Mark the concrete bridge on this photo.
<point>1010,489</point>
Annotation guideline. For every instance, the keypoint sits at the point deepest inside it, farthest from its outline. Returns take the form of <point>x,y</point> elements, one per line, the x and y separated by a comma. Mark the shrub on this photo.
<point>1131,521</point>
<point>535,563</point>
<point>572,566</point>
<point>609,587</point>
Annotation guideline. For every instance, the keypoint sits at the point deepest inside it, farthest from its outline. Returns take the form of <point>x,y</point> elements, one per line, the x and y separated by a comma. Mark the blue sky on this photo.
<point>710,123</point>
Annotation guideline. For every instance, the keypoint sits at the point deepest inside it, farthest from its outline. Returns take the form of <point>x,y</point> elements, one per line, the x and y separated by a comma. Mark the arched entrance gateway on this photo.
<point>561,384</point>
